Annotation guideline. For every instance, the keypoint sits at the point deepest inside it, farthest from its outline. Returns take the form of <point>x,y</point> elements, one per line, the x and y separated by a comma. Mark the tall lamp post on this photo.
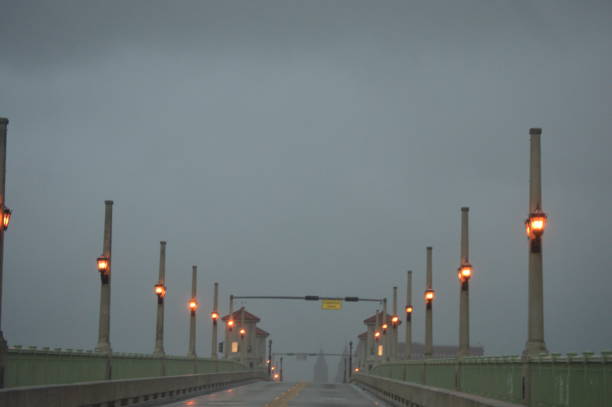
<point>104,267</point>
<point>270,358</point>
<point>409,309</point>
<point>160,291</point>
<point>395,321</point>
<point>534,227</point>
<point>193,306</point>
<point>430,294</point>
<point>214,316</point>
<point>464,274</point>
<point>6,217</point>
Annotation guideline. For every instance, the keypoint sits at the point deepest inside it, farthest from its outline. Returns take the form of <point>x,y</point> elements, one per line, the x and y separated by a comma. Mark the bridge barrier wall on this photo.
<point>549,380</point>
<point>32,367</point>
<point>400,393</point>
<point>130,392</point>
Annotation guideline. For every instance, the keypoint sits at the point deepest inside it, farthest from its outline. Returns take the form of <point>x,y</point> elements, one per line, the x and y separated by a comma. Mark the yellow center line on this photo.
<point>282,400</point>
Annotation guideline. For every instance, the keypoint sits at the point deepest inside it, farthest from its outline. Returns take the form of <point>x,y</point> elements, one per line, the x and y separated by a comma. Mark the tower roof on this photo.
<point>236,316</point>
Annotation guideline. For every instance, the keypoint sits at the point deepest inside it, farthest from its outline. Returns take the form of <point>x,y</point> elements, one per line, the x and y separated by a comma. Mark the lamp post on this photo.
<point>229,326</point>
<point>464,274</point>
<point>104,268</point>
<point>6,217</point>
<point>534,227</point>
<point>409,309</point>
<point>214,316</point>
<point>350,359</point>
<point>243,333</point>
<point>394,325</point>
<point>193,306</point>
<point>430,294</point>
<point>270,358</point>
<point>160,291</point>
<point>385,336</point>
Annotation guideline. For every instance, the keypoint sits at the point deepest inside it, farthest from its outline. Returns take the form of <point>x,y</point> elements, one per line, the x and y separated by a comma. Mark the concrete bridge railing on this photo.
<point>130,392</point>
<point>400,393</point>
<point>33,367</point>
<point>550,380</point>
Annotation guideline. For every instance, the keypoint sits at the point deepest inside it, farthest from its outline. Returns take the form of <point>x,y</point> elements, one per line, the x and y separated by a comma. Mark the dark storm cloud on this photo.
<point>303,147</point>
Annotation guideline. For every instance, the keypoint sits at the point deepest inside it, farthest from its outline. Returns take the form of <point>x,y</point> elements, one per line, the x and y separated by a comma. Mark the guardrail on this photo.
<point>399,393</point>
<point>548,380</point>
<point>113,393</point>
<point>32,366</point>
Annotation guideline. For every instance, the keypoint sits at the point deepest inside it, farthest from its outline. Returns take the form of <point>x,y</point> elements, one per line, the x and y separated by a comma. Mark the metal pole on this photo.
<point>103,345</point>
<point>378,342</point>
<point>385,336</point>
<point>242,338</point>
<point>3,345</point>
<point>281,369</point>
<point>270,358</point>
<point>408,332</point>
<point>350,358</point>
<point>464,290</point>
<point>394,326</point>
<point>429,309</point>
<point>192,314</point>
<point>228,336</point>
<point>159,328</point>
<point>535,340</point>
<point>213,350</point>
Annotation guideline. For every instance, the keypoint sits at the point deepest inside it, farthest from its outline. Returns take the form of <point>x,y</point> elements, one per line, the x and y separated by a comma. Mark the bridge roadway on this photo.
<point>270,394</point>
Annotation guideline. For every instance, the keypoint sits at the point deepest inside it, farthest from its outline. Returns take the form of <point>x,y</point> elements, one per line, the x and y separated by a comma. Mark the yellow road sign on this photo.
<point>331,304</point>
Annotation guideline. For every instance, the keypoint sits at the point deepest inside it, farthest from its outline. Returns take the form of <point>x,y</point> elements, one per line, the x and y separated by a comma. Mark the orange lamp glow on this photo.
<point>430,295</point>
<point>103,264</point>
<point>409,309</point>
<point>193,305</point>
<point>273,368</point>
<point>160,290</point>
<point>242,331</point>
<point>357,370</point>
<point>376,334</point>
<point>394,319</point>
<point>215,316</point>
<point>6,218</point>
<point>230,324</point>
<point>535,224</point>
<point>276,375</point>
<point>464,273</point>
<point>385,326</point>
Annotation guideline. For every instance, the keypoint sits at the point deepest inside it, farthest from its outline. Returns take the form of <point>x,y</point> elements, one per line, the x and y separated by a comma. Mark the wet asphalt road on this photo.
<point>268,394</point>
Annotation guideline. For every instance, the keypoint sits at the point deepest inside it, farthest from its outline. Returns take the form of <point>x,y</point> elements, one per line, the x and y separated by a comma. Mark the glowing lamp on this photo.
<point>103,264</point>
<point>409,309</point>
<point>430,295</point>
<point>230,324</point>
<point>276,376</point>
<point>242,331</point>
<point>160,290</point>
<point>357,370</point>
<point>273,368</point>
<point>215,316</point>
<point>535,224</point>
<point>193,305</point>
<point>6,218</point>
<point>376,334</point>
<point>394,320</point>
<point>464,273</point>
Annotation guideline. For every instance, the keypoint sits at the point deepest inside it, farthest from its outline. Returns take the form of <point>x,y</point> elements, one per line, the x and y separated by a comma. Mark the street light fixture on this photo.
<point>214,316</point>
<point>103,264</point>
<point>230,325</point>
<point>6,218</point>
<point>535,224</point>
<point>429,296</point>
<point>160,291</point>
<point>465,273</point>
<point>384,328</point>
<point>377,335</point>
<point>193,305</point>
<point>242,333</point>
<point>395,320</point>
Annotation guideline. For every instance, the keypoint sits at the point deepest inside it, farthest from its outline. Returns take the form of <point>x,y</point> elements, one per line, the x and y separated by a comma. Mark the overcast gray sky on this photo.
<point>304,147</point>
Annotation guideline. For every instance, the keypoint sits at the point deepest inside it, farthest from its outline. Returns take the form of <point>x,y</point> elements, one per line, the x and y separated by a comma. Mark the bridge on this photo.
<point>243,370</point>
